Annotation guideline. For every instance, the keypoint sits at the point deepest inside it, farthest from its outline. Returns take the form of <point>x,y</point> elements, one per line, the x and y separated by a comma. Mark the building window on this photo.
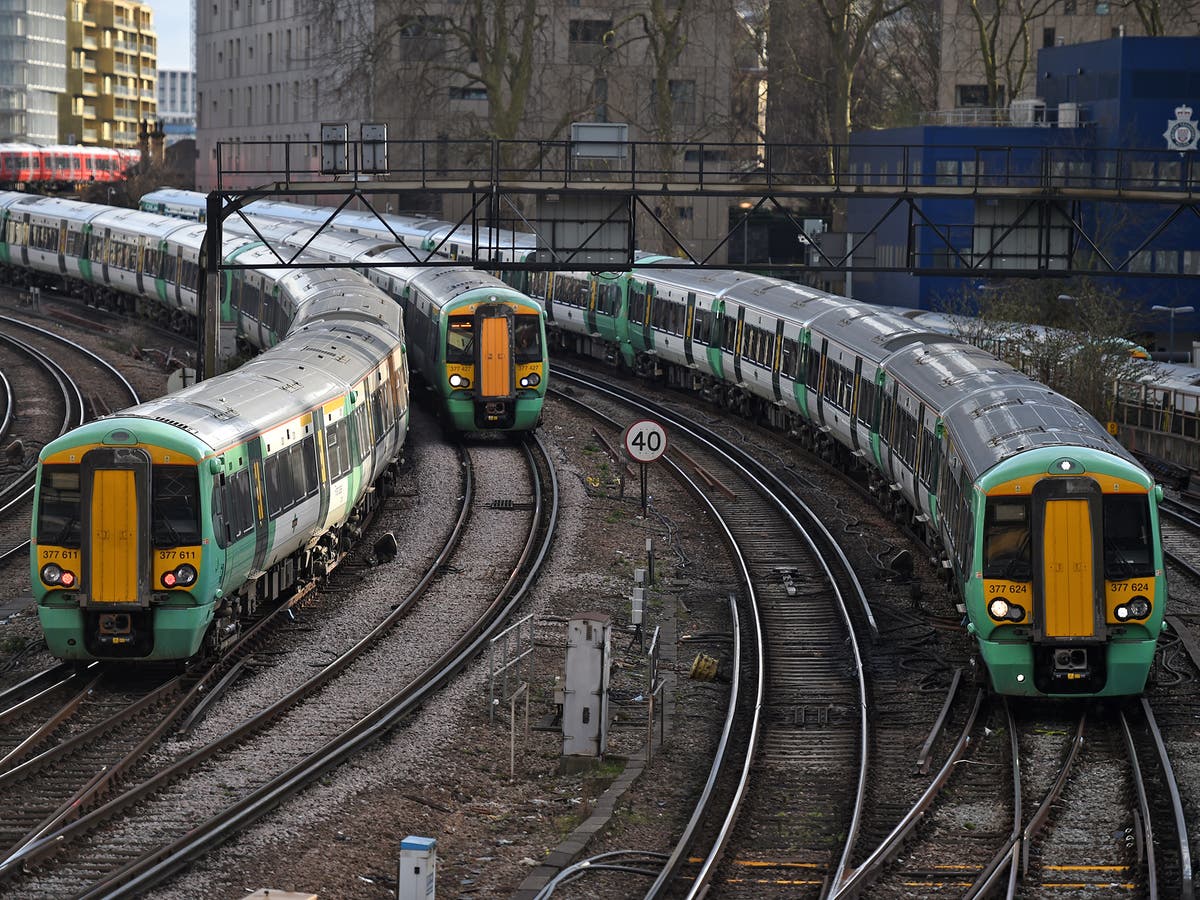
<point>683,101</point>
<point>468,93</point>
<point>1068,7</point>
<point>976,95</point>
<point>600,96</point>
<point>586,40</point>
<point>422,37</point>
<point>1102,7</point>
<point>1047,37</point>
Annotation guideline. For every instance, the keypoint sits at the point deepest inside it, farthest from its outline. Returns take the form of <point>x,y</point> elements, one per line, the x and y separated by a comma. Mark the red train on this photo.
<point>62,166</point>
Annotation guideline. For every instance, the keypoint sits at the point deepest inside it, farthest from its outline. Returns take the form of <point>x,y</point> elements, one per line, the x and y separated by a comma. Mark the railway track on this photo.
<point>797,719</point>
<point>50,400</point>
<point>313,726</point>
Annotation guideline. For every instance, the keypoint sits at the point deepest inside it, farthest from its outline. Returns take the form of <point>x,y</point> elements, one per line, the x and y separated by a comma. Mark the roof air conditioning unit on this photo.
<point>1028,112</point>
<point>1068,115</point>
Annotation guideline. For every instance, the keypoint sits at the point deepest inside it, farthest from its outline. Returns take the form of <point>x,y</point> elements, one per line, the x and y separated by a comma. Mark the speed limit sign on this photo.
<point>645,441</point>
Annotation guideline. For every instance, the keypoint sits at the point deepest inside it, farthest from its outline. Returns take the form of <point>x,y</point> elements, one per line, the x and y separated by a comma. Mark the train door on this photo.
<point>1068,580</point>
<point>104,255</point>
<point>777,360</point>
<point>495,365</point>
<point>116,525</point>
<point>589,305</point>
<point>62,246</point>
<point>816,382</point>
<point>23,238</point>
<point>688,321</point>
<point>737,344</point>
<point>139,263</point>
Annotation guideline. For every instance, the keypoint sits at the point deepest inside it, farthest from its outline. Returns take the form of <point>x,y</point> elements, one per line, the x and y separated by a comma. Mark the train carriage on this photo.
<point>479,344</point>
<point>947,434</point>
<point>157,531</point>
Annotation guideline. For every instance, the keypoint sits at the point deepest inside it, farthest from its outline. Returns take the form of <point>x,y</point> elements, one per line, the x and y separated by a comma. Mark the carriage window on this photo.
<point>1128,542</point>
<point>637,302</point>
<point>527,338</point>
<point>363,430</point>
<point>460,340</point>
<point>608,298</point>
<point>702,325</point>
<point>1007,540</point>
<point>233,508</point>
<point>538,283</point>
<point>175,506</point>
<point>279,484</point>
<point>59,506</point>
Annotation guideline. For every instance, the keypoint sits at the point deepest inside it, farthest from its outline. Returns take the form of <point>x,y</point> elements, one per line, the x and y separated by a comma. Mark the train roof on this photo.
<point>226,410</point>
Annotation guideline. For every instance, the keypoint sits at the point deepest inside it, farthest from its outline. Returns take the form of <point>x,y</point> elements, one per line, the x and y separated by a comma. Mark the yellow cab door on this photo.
<point>1072,595</point>
<point>495,356</point>
<point>116,528</point>
<point>1067,569</point>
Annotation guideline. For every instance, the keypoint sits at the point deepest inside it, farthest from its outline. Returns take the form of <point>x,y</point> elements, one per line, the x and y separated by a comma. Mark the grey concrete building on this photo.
<point>275,70</point>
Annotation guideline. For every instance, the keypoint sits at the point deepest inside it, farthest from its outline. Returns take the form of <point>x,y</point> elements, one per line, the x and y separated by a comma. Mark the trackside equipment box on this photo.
<point>418,869</point>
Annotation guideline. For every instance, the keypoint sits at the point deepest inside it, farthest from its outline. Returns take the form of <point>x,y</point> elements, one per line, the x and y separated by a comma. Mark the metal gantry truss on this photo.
<point>1063,211</point>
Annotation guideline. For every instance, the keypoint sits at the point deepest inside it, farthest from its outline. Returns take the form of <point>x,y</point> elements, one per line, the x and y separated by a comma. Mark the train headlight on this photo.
<point>531,380</point>
<point>56,576</point>
<point>998,609</point>
<point>1016,613</point>
<point>180,576</point>
<point>459,381</point>
<point>1139,608</point>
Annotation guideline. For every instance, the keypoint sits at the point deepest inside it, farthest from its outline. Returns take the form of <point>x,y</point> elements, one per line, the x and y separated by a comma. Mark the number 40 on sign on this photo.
<point>645,442</point>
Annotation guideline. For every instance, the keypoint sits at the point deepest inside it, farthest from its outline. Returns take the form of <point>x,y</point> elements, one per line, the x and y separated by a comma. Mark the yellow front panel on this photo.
<point>495,377</point>
<point>114,574</point>
<point>1067,569</point>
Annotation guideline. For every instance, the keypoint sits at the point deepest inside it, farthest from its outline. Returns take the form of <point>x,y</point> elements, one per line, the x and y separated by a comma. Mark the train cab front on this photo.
<point>116,554</point>
<point>1070,588</point>
<point>495,367</point>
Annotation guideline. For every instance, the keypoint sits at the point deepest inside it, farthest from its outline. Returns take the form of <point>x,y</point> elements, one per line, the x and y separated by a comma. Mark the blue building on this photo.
<point>1108,114</point>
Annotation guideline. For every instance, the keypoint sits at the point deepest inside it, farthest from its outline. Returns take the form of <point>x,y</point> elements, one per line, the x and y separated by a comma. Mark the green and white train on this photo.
<point>1046,526</point>
<point>159,529</point>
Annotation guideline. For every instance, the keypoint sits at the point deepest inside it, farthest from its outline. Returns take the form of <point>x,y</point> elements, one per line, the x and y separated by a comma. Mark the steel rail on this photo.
<point>772,487</point>
<point>140,874</point>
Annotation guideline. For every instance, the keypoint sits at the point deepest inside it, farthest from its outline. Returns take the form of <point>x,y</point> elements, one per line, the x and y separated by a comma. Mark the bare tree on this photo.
<point>816,49</point>
<point>1073,336</point>
<point>898,75</point>
<point>1003,36</point>
<point>1163,17</point>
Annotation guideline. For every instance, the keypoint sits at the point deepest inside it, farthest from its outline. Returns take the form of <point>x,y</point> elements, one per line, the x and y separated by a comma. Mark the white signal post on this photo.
<point>645,442</point>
